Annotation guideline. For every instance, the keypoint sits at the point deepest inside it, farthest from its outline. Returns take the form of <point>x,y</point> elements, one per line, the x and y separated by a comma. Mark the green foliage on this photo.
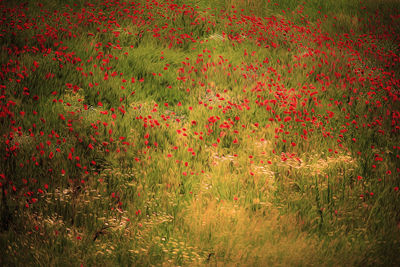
<point>187,133</point>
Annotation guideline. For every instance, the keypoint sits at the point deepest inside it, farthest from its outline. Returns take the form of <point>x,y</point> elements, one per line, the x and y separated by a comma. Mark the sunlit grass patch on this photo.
<point>230,234</point>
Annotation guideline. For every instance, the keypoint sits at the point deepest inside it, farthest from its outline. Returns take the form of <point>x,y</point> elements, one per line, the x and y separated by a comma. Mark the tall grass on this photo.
<point>187,133</point>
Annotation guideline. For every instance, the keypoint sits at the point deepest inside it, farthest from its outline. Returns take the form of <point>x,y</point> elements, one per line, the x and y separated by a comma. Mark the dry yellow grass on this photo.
<point>235,235</point>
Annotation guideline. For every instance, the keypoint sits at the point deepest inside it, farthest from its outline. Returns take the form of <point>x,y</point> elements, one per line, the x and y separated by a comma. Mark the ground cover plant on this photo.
<point>230,132</point>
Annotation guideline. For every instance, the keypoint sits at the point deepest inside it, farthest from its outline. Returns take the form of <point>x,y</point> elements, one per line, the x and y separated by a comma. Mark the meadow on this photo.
<point>200,133</point>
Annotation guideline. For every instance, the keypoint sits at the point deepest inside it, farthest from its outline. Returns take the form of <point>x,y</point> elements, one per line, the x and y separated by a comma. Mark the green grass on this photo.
<point>190,133</point>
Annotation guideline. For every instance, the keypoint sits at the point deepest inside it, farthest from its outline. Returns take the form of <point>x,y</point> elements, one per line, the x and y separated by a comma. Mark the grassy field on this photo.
<point>190,133</point>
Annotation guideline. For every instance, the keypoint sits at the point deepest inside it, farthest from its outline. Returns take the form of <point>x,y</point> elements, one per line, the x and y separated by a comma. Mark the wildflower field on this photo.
<point>191,133</point>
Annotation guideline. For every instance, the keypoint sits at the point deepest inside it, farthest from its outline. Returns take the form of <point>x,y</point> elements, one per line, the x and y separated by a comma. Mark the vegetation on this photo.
<point>240,132</point>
